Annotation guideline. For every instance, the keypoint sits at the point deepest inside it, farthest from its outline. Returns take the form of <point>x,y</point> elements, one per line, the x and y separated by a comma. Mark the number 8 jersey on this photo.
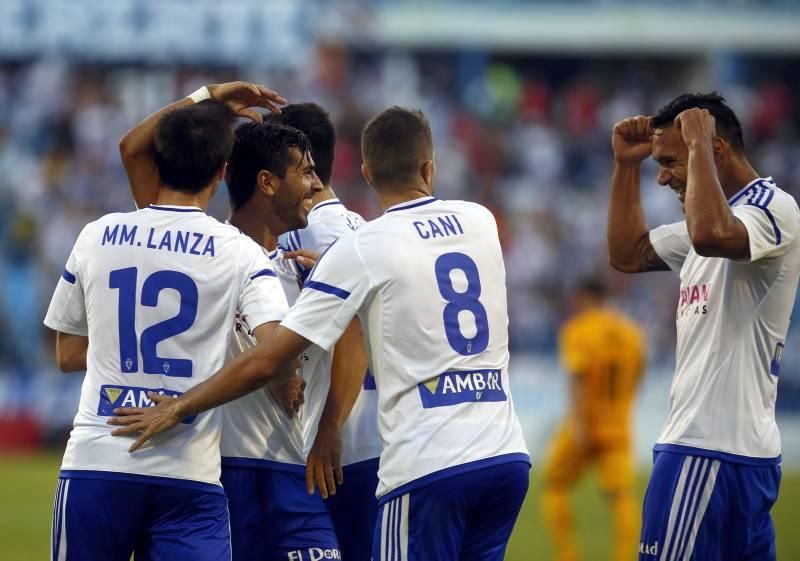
<point>427,280</point>
<point>156,291</point>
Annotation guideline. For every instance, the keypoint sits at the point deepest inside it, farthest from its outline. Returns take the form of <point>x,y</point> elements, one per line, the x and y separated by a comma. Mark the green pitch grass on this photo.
<point>27,484</point>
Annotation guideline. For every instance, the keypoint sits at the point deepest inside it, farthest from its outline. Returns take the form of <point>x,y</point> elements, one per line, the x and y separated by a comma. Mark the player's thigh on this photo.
<point>248,500</point>
<point>354,510</point>
<point>687,511</point>
<point>186,523</point>
<point>492,516</point>
<point>96,519</point>
<point>301,525</point>
<point>564,462</point>
<point>423,524</point>
<point>756,493</point>
<point>616,469</point>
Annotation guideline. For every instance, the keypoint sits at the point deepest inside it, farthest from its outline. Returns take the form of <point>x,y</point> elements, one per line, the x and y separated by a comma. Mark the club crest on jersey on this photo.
<point>112,397</point>
<point>694,300</point>
<point>452,388</point>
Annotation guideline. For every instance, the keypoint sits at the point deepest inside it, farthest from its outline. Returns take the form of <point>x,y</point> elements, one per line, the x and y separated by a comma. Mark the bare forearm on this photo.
<point>626,225</point>
<point>246,373</point>
<point>709,219</point>
<point>272,357</point>
<point>137,149</point>
<point>349,366</point>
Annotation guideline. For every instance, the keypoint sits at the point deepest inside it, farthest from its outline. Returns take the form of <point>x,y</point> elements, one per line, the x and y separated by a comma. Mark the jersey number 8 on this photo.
<point>125,281</point>
<point>458,302</point>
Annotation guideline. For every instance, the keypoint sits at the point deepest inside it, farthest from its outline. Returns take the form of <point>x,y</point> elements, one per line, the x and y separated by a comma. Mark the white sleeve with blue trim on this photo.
<point>261,299</point>
<point>771,222</point>
<point>337,288</point>
<point>67,310</point>
<point>672,243</point>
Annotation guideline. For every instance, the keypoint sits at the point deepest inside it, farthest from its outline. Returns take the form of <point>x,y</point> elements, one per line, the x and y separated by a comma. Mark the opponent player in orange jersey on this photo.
<point>603,353</point>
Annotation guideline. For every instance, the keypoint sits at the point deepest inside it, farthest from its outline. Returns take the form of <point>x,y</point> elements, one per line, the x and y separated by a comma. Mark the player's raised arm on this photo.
<point>137,147</point>
<point>629,247</point>
<point>272,357</point>
<point>712,226</point>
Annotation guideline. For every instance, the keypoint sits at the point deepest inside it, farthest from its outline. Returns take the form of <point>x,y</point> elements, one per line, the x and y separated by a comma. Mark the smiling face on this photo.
<point>293,193</point>
<point>672,156</point>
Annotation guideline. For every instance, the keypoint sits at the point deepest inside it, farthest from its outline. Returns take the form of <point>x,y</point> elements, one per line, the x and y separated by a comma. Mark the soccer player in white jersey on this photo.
<point>427,280</point>
<point>717,462</point>
<point>152,293</point>
<point>347,442</point>
<point>270,180</point>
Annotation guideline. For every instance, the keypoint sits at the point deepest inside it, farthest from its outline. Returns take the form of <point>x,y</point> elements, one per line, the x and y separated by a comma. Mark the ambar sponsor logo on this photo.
<point>113,396</point>
<point>452,388</point>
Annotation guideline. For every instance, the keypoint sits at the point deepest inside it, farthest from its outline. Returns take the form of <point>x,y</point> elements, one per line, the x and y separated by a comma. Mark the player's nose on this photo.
<point>316,185</point>
<point>664,177</point>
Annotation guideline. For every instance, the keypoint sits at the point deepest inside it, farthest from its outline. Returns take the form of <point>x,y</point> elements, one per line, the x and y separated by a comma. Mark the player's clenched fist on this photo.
<point>242,95</point>
<point>631,139</point>
<point>696,125</point>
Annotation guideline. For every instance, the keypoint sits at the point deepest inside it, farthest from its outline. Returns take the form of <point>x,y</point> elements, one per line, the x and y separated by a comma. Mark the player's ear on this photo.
<point>721,149</point>
<point>221,172</point>
<point>265,182</point>
<point>365,173</point>
<point>428,171</point>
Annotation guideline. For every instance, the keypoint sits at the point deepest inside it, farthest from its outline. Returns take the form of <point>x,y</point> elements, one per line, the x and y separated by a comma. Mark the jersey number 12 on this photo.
<point>125,281</point>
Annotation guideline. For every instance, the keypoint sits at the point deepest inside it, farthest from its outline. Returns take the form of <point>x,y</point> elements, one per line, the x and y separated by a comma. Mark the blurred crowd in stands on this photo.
<point>528,138</point>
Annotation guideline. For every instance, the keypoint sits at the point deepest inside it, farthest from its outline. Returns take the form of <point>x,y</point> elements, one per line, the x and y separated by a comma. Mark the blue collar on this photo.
<point>412,204</point>
<point>176,208</point>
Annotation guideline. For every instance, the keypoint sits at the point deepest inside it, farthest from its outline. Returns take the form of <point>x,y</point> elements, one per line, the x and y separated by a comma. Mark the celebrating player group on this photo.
<point>296,384</point>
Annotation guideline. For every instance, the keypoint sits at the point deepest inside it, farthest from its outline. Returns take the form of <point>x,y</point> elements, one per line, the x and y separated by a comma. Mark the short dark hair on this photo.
<point>316,124</point>
<point>192,144</point>
<point>395,143</point>
<point>260,146</point>
<point>728,125</point>
<point>594,287</point>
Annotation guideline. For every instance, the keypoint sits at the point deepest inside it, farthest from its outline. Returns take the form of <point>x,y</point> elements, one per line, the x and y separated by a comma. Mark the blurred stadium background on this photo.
<point>521,96</point>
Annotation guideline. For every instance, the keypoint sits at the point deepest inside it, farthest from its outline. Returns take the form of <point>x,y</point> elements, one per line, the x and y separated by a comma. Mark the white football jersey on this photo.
<point>155,291</point>
<point>427,280</point>
<point>256,431</point>
<point>732,320</point>
<point>327,222</point>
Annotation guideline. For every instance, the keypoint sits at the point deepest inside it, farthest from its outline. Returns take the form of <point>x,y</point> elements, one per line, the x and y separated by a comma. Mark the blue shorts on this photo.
<point>273,518</point>
<point>707,508</point>
<point>111,516</point>
<point>462,517</point>
<point>354,510</point>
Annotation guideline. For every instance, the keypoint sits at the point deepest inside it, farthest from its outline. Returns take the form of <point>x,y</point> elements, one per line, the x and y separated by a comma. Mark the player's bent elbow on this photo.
<point>125,149</point>
<point>622,266</point>
<point>710,244</point>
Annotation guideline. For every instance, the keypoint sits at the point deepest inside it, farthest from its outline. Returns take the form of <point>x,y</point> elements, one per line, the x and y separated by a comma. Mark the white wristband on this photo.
<point>200,95</point>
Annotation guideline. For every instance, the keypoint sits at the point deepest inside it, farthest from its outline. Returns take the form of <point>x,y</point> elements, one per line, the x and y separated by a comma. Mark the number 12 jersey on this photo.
<point>156,291</point>
<point>427,281</point>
